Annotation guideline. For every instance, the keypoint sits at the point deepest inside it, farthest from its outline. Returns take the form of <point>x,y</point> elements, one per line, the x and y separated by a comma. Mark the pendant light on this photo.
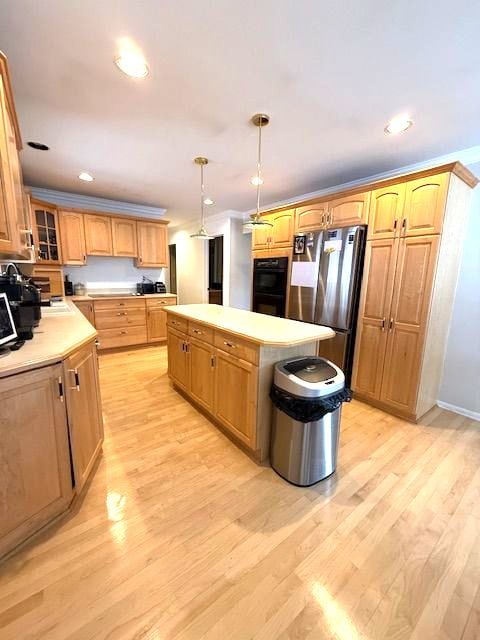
<point>202,232</point>
<point>259,120</point>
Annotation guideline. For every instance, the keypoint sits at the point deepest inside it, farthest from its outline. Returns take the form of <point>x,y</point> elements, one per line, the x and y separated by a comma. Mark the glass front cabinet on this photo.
<point>47,233</point>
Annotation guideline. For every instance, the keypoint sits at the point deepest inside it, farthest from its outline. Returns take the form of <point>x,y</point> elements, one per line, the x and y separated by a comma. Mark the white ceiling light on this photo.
<point>208,202</point>
<point>398,125</point>
<point>85,176</point>
<point>132,63</point>
<point>202,233</point>
<point>259,120</point>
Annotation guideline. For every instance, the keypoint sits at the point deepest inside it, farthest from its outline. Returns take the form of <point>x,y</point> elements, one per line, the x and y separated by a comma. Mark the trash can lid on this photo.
<point>309,377</point>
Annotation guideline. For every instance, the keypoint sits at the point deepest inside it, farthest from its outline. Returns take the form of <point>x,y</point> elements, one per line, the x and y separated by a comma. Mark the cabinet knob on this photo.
<point>229,344</point>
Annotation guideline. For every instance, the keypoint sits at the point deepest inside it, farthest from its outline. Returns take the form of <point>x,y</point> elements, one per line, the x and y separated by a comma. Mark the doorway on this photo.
<point>172,254</point>
<point>215,270</point>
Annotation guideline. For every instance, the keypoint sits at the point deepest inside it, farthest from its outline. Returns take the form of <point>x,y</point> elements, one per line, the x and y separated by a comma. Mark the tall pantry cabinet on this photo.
<point>412,259</point>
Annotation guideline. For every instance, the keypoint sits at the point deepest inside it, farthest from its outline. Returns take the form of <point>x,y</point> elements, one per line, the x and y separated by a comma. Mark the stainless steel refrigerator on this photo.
<point>325,287</point>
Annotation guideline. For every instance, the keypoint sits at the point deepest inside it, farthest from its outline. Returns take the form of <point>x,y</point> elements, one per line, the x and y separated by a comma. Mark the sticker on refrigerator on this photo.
<point>304,274</point>
<point>331,246</point>
<point>299,245</point>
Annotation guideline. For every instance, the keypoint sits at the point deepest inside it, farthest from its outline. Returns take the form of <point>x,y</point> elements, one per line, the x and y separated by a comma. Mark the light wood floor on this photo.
<point>182,536</point>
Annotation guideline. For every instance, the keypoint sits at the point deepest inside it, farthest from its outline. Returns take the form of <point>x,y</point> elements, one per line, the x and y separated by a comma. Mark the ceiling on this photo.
<point>329,74</point>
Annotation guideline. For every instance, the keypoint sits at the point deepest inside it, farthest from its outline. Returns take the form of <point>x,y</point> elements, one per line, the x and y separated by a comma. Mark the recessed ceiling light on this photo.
<point>256,180</point>
<point>39,146</point>
<point>85,176</point>
<point>208,201</point>
<point>397,125</point>
<point>132,64</point>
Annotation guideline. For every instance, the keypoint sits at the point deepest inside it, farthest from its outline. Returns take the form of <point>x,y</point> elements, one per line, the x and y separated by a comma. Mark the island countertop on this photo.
<point>256,327</point>
<point>57,336</point>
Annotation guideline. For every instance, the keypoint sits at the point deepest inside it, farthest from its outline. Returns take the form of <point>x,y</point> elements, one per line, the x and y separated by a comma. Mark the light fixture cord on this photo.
<point>259,169</point>
<point>202,189</point>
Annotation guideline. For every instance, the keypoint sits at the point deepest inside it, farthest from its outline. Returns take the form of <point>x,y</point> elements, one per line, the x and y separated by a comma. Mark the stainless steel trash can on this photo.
<point>306,452</point>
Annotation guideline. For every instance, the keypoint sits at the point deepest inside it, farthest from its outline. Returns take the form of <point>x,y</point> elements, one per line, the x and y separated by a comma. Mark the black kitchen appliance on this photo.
<point>270,286</point>
<point>160,287</point>
<point>146,286</point>
<point>24,300</point>
<point>68,285</point>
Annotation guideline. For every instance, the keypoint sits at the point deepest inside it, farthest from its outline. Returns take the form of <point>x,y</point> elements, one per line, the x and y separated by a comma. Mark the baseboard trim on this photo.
<point>475,415</point>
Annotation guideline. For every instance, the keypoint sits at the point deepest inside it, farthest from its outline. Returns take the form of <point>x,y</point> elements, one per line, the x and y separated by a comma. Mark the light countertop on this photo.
<point>127,296</point>
<point>257,327</point>
<point>56,337</point>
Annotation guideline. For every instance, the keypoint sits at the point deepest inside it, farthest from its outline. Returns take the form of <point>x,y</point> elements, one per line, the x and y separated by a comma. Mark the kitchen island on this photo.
<point>222,359</point>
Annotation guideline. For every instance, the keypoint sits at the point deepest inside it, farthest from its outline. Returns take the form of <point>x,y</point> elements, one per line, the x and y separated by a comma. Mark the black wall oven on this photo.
<point>270,286</point>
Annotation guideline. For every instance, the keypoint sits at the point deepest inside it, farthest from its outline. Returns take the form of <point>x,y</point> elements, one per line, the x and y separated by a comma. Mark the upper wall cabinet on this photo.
<point>72,234</point>
<point>47,233</point>
<point>386,210</point>
<point>98,235</point>
<point>152,244</point>
<point>311,217</point>
<point>350,210</point>
<point>277,236</point>
<point>425,201</point>
<point>124,233</point>
<point>261,235</point>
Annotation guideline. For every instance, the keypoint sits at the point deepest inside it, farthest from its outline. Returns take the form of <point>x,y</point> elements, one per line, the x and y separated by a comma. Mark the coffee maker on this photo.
<point>24,300</point>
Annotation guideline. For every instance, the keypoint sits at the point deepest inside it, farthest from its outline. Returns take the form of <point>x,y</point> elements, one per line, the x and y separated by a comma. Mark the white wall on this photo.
<point>111,273</point>
<point>460,389</point>
<point>192,265</point>
<point>240,266</point>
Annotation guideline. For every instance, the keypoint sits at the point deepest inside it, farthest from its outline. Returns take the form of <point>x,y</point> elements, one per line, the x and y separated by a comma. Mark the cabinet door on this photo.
<point>98,235</point>
<point>311,217</point>
<point>35,476</point>
<point>46,233</point>
<point>9,238</point>
<point>375,304</point>
<point>202,372</point>
<point>425,201</point>
<point>72,234</point>
<point>86,307</point>
<point>152,244</point>
<point>178,368</point>
<point>282,232</point>
<point>124,234</point>
<point>84,411</point>
<point>349,211</point>
<point>261,235</point>
<point>156,324</point>
<point>386,211</point>
<point>235,396</point>
<point>411,300</point>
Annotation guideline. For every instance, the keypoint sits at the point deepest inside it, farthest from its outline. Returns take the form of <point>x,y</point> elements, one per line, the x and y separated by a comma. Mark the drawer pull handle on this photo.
<point>77,380</point>
<point>229,344</point>
<point>122,313</point>
<point>197,331</point>
<point>123,333</point>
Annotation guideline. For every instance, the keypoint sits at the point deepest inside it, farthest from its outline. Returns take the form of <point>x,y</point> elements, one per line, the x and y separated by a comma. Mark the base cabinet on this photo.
<point>35,476</point>
<point>84,411</point>
<point>86,307</point>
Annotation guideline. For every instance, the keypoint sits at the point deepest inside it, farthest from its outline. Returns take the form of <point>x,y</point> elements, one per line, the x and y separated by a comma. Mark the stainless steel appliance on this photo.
<point>325,287</point>
<point>270,285</point>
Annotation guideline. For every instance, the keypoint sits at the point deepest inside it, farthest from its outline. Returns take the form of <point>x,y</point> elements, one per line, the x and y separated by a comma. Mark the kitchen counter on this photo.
<point>255,327</point>
<point>126,296</point>
<point>56,337</point>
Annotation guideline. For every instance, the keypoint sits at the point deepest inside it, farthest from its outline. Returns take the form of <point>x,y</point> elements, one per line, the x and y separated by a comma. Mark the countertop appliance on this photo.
<point>325,287</point>
<point>7,325</point>
<point>24,300</point>
<point>270,286</point>
<point>160,287</point>
<point>146,286</point>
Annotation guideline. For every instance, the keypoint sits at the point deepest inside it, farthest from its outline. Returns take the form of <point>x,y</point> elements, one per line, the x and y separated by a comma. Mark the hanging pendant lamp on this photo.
<point>259,120</point>
<point>202,233</point>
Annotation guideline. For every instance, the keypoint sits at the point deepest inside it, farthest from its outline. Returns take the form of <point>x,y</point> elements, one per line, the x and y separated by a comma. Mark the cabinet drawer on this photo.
<point>180,324</point>
<point>112,318</point>
<point>122,303</point>
<point>160,302</point>
<point>237,347</point>
<point>110,338</point>
<point>200,331</point>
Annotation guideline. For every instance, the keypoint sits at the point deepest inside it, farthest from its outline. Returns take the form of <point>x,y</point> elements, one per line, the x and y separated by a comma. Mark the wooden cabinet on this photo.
<point>277,236</point>
<point>84,411</point>
<point>72,234</point>
<point>98,235</point>
<point>157,318</point>
<point>235,396</point>
<point>86,307</point>
<point>261,235</point>
<point>178,360</point>
<point>124,235</point>
<point>152,244</point>
<point>310,217</point>
<point>120,322</point>
<point>425,201</point>
<point>386,211</point>
<point>46,232</point>
<point>35,477</point>
<point>349,210</point>
<point>49,280</point>
<point>202,372</point>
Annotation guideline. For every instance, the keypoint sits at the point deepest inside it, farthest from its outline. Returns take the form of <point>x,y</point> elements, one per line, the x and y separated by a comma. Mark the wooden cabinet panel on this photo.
<point>261,235</point>
<point>236,346</point>
<point>46,230</point>
<point>281,235</point>
<point>235,396</point>
<point>98,235</point>
<point>86,307</point>
<point>84,411</point>
<point>49,280</point>
<point>35,477</point>
<point>72,234</point>
<point>9,238</point>
<point>156,324</point>
<point>180,324</point>
<point>311,217</point>
<point>178,365</point>
<point>120,304</point>
<point>386,211</point>
<point>127,336</point>
<point>202,372</point>
<point>375,304</point>
<point>152,244</point>
<point>411,300</point>
<point>351,210</point>
<point>201,331</point>
<point>425,201</point>
<point>124,233</point>
<point>113,319</point>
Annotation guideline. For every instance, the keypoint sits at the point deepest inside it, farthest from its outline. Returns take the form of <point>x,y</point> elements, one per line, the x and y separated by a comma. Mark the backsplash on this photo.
<point>112,273</point>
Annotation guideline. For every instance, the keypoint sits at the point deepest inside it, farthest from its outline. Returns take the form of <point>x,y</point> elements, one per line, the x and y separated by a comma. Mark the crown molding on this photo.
<point>79,201</point>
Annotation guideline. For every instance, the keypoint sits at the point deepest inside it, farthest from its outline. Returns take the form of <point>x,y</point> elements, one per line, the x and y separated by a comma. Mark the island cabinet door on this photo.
<point>202,373</point>
<point>236,396</point>
<point>84,411</point>
<point>178,363</point>
<point>35,477</point>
